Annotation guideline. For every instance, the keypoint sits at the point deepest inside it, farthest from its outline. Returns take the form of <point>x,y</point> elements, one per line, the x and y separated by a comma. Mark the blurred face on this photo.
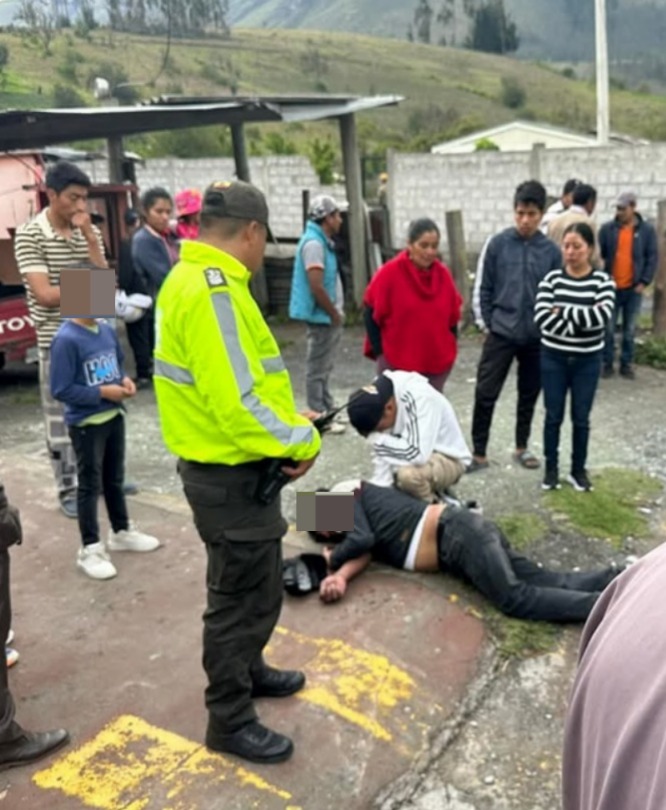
<point>625,214</point>
<point>389,416</point>
<point>527,218</point>
<point>72,200</point>
<point>158,216</point>
<point>424,250</point>
<point>333,223</point>
<point>577,253</point>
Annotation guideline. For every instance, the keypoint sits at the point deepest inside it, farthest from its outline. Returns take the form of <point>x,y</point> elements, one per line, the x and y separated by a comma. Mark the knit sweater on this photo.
<point>572,313</point>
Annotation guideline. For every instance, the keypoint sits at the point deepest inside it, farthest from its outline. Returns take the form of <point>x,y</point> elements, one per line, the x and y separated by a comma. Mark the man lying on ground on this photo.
<point>394,528</point>
<point>417,443</point>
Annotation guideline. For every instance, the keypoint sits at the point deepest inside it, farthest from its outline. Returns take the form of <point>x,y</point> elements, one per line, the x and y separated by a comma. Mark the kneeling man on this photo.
<point>403,532</point>
<point>417,443</point>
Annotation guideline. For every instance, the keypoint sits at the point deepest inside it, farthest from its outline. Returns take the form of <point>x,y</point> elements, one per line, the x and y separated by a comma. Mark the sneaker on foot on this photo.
<point>69,508</point>
<point>334,428</point>
<point>131,540</point>
<point>12,656</point>
<point>551,480</point>
<point>580,481</point>
<point>607,372</point>
<point>10,637</point>
<point>94,561</point>
<point>628,373</point>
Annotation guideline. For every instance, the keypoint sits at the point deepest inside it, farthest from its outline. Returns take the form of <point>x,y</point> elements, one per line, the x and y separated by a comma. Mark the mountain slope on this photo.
<point>549,30</point>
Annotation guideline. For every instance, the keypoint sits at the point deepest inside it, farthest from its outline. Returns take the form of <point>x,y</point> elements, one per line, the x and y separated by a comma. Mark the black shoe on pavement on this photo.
<point>628,372</point>
<point>551,480</point>
<point>253,742</point>
<point>271,682</point>
<point>607,372</point>
<point>30,747</point>
<point>69,508</point>
<point>580,482</point>
<point>142,383</point>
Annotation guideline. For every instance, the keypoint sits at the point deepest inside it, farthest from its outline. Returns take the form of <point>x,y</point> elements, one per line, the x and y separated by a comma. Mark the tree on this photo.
<point>4,61</point>
<point>493,30</point>
<point>38,24</point>
<point>410,33</point>
<point>446,17</point>
<point>423,15</point>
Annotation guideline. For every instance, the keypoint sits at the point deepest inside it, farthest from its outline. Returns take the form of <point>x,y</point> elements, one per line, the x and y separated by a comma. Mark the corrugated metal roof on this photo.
<point>25,129</point>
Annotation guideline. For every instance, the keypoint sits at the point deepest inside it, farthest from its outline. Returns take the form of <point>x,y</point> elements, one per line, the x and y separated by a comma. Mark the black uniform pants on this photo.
<point>496,357</point>
<point>476,550</point>
<point>9,730</point>
<point>244,583</point>
<point>141,337</point>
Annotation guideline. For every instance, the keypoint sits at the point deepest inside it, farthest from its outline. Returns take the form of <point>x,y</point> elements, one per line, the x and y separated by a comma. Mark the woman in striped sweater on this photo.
<point>573,307</point>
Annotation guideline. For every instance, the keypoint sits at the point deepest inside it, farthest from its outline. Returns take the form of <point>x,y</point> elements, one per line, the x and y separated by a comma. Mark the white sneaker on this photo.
<point>10,637</point>
<point>131,540</point>
<point>335,428</point>
<point>94,561</point>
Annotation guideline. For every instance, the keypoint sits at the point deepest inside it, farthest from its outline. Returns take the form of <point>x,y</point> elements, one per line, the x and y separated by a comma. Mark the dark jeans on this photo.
<point>9,730</point>
<point>628,304</point>
<point>496,357</point>
<point>562,372</point>
<point>244,583</point>
<point>476,550</point>
<point>100,463</point>
<point>140,336</point>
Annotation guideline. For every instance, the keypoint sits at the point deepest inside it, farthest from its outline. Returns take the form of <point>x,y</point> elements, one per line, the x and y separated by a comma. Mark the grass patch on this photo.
<point>522,529</point>
<point>651,351</point>
<point>516,638</point>
<point>25,398</point>
<point>611,511</point>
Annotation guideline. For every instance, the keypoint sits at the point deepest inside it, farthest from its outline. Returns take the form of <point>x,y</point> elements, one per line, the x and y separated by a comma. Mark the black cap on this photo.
<point>366,406</point>
<point>235,199</point>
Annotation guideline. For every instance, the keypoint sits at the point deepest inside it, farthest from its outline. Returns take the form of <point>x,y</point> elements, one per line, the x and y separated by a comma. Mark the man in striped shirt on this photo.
<point>59,237</point>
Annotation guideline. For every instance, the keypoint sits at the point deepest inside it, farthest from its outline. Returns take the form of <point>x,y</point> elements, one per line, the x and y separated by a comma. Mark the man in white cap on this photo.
<point>628,246</point>
<point>317,298</point>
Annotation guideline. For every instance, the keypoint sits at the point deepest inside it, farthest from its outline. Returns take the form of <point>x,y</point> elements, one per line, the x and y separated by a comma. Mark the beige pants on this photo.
<point>424,480</point>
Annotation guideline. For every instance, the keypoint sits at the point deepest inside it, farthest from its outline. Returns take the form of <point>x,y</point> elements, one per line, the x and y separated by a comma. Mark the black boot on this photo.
<point>271,682</point>
<point>253,742</point>
<point>30,747</point>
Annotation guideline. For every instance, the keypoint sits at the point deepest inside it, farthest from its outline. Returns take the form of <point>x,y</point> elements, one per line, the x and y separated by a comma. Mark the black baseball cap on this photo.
<point>366,406</point>
<point>235,199</point>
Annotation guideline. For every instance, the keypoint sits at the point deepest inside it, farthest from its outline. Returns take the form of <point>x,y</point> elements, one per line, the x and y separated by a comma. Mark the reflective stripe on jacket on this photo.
<point>223,393</point>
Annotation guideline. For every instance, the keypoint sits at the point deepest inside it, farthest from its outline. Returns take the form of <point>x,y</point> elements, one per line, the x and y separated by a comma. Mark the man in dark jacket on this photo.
<point>17,746</point>
<point>628,246</point>
<point>516,260</point>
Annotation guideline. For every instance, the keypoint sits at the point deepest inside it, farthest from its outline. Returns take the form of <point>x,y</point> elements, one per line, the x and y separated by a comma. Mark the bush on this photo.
<point>4,56</point>
<point>323,157</point>
<point>486,145</point>
<point>66,96</point>
<point>513,93</point>
<point>651,351</point>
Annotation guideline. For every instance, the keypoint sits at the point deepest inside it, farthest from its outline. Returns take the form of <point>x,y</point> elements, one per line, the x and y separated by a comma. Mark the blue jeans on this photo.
<point>627,302</point>
<point>562,372</point>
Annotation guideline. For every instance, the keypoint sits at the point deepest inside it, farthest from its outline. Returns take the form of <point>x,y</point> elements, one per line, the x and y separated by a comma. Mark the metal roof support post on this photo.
<point>240,152</point>
<point>356,217</point>
<point>116,158</point>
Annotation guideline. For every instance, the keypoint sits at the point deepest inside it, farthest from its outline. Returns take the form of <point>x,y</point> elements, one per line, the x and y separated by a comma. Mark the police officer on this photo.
<point>17,746</point>
<point>226,408</point>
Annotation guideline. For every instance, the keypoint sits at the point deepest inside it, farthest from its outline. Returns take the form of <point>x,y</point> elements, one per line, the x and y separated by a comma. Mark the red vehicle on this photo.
<point>22,195</point>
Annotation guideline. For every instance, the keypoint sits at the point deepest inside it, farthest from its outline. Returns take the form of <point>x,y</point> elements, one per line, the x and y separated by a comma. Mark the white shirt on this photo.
<point>425,424</point>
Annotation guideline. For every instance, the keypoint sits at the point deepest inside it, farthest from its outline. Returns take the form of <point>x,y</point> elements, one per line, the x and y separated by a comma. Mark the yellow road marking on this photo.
<point>131,763</point>
<point>352,683</point>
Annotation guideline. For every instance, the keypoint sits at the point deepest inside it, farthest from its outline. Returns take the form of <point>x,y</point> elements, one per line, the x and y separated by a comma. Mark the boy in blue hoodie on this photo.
<point>87,376</point>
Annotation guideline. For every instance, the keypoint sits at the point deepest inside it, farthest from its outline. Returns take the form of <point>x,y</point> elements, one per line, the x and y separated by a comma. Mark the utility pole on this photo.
<point>603,113</point>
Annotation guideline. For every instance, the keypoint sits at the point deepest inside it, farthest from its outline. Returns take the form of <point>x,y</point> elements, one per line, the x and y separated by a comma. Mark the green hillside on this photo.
<point>449,91</point>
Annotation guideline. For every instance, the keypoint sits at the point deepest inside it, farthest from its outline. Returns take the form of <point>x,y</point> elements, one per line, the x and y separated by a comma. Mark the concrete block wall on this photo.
<point>482,184</point>
<point>281,177</point>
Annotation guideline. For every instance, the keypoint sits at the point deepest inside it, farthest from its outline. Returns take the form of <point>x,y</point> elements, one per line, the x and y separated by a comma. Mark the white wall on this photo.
<point>482,184</point>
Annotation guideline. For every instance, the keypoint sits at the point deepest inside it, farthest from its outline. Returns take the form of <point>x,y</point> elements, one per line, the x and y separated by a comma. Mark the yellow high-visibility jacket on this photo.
<point>223,393</point>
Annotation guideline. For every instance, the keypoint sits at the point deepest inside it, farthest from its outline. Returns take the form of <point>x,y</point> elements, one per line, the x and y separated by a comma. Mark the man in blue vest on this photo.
<point>317,298</point>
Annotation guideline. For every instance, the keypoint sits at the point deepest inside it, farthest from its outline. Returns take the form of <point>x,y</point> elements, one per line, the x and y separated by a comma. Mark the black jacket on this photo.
<point>645,252</point>
<point>512,270</point>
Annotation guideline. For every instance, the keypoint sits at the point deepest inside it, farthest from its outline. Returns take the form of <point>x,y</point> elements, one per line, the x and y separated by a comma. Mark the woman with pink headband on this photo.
<point>188,208</point>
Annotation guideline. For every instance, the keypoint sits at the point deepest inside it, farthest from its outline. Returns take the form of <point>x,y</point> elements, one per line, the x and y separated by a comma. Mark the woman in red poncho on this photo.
<point>412,309</point>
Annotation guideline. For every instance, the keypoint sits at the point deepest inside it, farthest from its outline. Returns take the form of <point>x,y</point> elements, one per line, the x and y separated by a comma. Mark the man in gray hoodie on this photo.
<point>516,260</point>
